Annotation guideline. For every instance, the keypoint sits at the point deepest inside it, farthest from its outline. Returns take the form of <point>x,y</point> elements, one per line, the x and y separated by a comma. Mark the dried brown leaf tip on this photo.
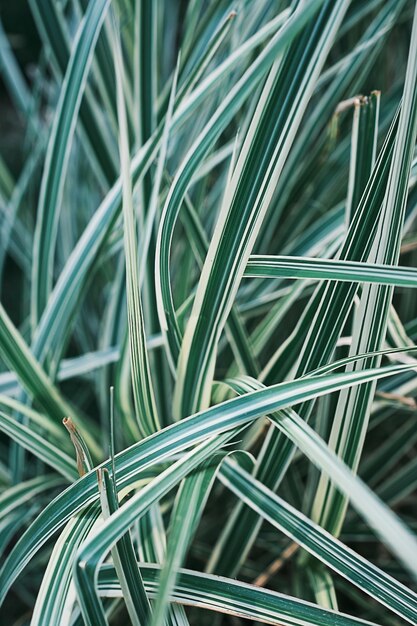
<point>84,462</point>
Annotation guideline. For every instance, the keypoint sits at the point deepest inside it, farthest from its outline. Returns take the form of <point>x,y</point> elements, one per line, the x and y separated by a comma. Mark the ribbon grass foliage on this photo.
<point>208,313</point>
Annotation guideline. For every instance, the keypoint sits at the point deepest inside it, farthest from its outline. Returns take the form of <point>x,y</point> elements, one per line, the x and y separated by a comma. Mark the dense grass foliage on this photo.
<point>208,313</point>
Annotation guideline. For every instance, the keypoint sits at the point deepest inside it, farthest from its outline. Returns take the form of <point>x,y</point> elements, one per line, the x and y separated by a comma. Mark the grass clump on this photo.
<point>207,274</point>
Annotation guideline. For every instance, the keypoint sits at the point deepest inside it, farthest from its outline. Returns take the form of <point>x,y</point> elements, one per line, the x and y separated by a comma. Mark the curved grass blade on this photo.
<point>48,452</point>
<point>52,599</point>
<point>145,405</point>
<point>309,346</point>
<point>55,36</point>
<point>123,554</point>
<point>17,495</point>
<point>94,550</point>
<point>389,527</point>
<point>320,543</point>
<point>370,324</point>
<point>195,156</point>
<point>136,462</point>
<point>363,150</point>
<point>230,596</point>
<point>20,359</point>
<point>72,282</point>
<point>258,168</point>
<point>188,508</point>
<point>57,154</point>
<point>39,421</point>
<point>328,269</point>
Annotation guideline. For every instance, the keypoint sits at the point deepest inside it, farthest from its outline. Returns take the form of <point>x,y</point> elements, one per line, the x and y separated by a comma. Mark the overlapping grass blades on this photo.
<point>202,208</point>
